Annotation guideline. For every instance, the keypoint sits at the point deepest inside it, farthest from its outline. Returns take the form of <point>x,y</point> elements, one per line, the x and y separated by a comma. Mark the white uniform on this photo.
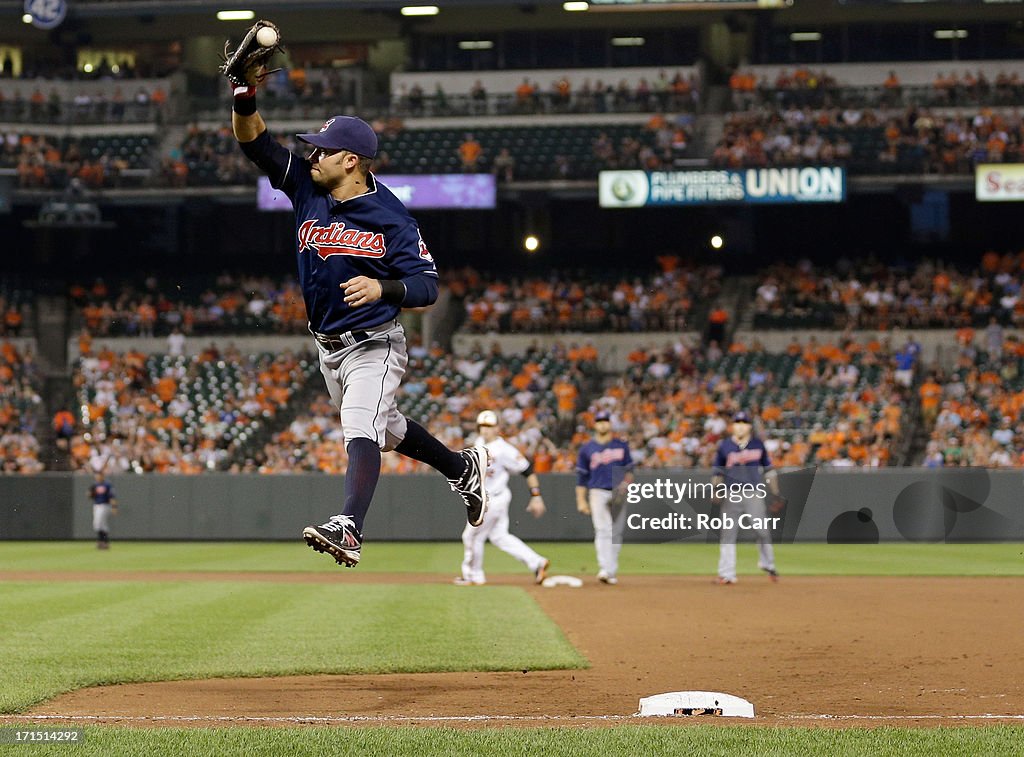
<point>504,459</point>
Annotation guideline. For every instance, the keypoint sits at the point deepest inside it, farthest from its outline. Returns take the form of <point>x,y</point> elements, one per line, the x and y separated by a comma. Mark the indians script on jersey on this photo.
<point>336,239</point>
<point>607,456</point>
<point>744,457</point>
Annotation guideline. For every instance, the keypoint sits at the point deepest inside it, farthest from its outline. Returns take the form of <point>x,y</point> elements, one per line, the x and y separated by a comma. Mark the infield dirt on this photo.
<point>863,651</point>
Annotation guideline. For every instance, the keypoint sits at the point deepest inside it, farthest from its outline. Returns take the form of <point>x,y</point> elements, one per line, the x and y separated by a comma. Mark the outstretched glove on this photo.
<point>247,65</point>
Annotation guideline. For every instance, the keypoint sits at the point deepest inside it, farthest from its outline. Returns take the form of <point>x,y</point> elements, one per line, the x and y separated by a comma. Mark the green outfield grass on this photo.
<point>632,741</point>
<point>61,636</point>
<point>443,558</point>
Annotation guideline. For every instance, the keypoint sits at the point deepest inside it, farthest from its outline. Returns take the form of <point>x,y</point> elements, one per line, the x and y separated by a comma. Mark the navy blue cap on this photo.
<point>602,415</point>
<point>741,417</point>
<point>344,133</point>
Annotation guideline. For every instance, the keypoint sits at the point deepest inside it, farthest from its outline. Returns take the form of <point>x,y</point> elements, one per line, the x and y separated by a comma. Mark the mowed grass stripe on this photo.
<point>689,740</point>
<point>59,637</point>
<point>444,558</point>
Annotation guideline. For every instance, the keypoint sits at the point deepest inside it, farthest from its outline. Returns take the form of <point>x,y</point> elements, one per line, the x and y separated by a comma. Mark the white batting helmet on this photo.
<point>487,418</point>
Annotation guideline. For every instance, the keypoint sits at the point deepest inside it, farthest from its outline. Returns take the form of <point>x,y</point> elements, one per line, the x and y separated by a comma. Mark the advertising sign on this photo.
<point>999,182</point>
<point>634,189</point>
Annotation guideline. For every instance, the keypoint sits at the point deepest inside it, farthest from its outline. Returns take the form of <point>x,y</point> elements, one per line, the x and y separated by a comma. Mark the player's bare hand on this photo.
<point>583,507</point>
<point>536,507</point>
<point>361,290</point>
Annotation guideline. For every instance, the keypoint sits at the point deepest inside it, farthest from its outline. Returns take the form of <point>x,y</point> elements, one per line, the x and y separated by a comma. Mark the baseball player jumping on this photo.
<point>504,459</point>
<point>595,484</point>
<point>742,459</point>
<point>361,259</point>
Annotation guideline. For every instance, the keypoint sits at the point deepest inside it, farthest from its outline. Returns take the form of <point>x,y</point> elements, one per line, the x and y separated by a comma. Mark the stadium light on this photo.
<point>950,34</point>
<point>420,10</point>
<point>575,6</point>
<point>717,242</point>
<point>531,243</point>
<point>476,44</point>
<point>236,15</point>
<point>628,41</point>
<point>805,36</point>
<point>26,18</point>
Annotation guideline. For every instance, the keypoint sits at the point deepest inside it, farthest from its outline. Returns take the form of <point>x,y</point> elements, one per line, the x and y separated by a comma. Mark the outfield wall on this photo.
<point>37,507</point>
<point>888,505</point>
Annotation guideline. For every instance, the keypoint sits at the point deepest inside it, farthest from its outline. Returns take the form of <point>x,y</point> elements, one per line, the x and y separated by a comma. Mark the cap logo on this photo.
<point>327,124</point>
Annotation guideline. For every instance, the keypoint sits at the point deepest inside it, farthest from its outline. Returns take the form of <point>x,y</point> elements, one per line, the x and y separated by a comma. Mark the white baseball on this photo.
<point>266,37</point>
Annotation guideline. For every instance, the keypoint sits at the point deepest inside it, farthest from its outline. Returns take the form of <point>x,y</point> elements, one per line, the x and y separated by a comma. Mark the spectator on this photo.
<point>176,343</point>
<point>478,98</point>
<point>63,428</point>
<point>717,324</point>
<point>525,97</point>
<point>470,153</point>
<point>504,166</point>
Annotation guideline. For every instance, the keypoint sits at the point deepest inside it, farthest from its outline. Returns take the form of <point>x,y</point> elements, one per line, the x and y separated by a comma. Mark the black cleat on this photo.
<point>339,538</point>
<point>772,574</point>
<point>470,486</point>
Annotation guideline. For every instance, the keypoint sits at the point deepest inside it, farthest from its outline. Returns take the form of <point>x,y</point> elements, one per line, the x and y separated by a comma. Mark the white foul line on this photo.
<point>321,719</point>
<point>468,718</point>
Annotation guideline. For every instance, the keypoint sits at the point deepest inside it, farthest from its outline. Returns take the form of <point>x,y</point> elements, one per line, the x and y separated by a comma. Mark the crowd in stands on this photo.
<point>870,295</point>
<point>142,105</point>
<point>189,415</point>
<point>20,405</point>
<point>309,86</point>
<point>673,404</point>
<point>671,138</point>
<point>838,403</point>
<point>668,300</point>
<point>805,87</point>
<point>45,162</point>
<point>914,141</point>
<point>212,157</point>
<point>796,136</point>
<point>228,303</point>
<point>678,92</point>
<point>834,404</point>
<point>843,402</point>
<point>974,411</point>
<point>181,414</point>
<point>920,141</point>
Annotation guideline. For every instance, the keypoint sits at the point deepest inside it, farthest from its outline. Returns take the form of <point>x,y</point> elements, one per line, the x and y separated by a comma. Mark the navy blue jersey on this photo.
<point>742,465</point>
<point>102,492</point>
<point>371,235</point>
<point>601,466</point>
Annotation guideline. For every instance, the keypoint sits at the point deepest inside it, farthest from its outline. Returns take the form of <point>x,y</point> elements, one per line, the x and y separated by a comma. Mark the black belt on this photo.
<point>336,342</point>
<point>341,341</point>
